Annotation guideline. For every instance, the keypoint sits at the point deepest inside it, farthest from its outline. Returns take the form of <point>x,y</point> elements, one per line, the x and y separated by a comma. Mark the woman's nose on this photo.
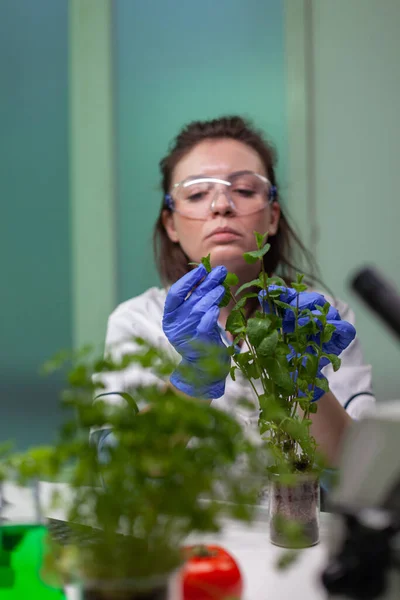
<point>222,204</point>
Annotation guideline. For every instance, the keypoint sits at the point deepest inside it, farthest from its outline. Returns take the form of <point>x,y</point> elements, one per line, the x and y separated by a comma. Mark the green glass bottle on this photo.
<point>21,559</point>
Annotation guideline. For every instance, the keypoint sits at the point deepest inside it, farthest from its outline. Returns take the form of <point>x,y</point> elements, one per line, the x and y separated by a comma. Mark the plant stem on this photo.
<point>265,286</point>
<point>263,374</point>
<point>295,403</point>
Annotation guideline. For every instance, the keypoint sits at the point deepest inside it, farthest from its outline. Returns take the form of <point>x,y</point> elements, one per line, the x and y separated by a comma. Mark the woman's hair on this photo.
<point>171,261</point>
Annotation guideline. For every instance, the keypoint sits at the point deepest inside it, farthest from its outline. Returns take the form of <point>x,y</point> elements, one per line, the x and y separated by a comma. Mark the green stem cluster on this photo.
<point>285,362</point>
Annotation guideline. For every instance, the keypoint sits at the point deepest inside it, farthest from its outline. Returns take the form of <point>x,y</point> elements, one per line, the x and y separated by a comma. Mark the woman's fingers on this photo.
<point>180,289</point>
<point>192,287</point>
<point>213,279</point>
<point>212,298</point>
<point>341,338</point>
<point>310,300</point>
<point>208,321</point>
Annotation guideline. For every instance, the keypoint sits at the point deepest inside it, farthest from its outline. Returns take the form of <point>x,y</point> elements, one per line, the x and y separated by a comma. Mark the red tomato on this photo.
<point>210,573</point>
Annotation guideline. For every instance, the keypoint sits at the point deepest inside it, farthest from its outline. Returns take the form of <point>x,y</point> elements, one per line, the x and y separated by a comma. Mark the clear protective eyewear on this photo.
<point>244,192</point>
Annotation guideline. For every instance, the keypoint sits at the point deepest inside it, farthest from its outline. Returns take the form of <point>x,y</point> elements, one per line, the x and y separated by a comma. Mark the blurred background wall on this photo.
<point>355,97</point>
<point>35,289</point>
<point>92,91</point>
<point>175,62</point>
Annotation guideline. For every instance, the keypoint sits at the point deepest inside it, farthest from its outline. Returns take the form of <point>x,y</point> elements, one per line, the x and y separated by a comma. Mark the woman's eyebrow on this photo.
<point>204,176</point>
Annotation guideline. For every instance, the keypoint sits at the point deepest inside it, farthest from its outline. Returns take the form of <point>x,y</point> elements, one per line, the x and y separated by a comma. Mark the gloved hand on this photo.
<point>190,323</point>
<point>341,338</point>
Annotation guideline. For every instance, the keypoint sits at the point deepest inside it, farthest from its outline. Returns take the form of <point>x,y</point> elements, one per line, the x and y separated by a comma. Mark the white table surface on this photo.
<point>249,544</point>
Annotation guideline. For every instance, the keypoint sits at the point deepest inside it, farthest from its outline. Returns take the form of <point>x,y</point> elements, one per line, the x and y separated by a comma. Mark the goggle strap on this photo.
<point>168,201</point>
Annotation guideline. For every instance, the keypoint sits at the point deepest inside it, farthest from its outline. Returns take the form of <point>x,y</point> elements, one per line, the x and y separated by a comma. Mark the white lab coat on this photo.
<point>142,317</point>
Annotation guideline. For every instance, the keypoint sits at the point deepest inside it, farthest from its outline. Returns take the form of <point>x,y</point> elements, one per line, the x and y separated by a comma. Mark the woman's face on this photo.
<point>220,158</point>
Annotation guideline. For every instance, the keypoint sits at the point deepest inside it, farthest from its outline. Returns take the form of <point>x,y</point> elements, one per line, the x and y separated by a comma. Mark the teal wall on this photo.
<point>64,241</point>
<point>35,318</point>
<point>177,61</point>
<point>75,235</point>
<point>357,147</point>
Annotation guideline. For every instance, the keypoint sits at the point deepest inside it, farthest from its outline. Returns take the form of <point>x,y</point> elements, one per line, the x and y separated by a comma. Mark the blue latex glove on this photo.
<point>191,321</point>
<point>341,338</point>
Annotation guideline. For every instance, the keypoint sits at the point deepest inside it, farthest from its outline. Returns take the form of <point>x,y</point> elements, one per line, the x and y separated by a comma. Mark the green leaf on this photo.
<point>327,333</point>
<point>271,296</point>
<point>253,370</point>
<point>270,408</point>
<point>310,327</point>
<point>335,360</point>
<point>260,315</point>
<point>279,372</point>
<point>255,255</point>
<point>250,259</point>
<point>249,284</point>
<point>127,397</point>
<point>232,372</point>
<point>268,344</point>
<point>235,322</point>
<point>257,330</point>
<point>299,287</point>
<point>55,363</point>
<point>303,403</point>
<point>239,305</point>
<point>313,407</point>
<point>243,358</point>
<point>260,239</point>
<point>322,383</point>
<point>284,305</point>
<point>240,336</point>
<point>303,384</point>
<point>231,279</point>
<point>103,365</point>
<point>206,261</point>
<point>264,426</point>
<point>282,348</point>
<point>79,376</point>
<point>242,302</point>
<point>276,281</point>
<point>311,365</point>
<point>314,346</point>
<point>226,298</point>
<point>325,308</point>
<point>294,428</point>
<point>231,351</point>
<point>320,316</point>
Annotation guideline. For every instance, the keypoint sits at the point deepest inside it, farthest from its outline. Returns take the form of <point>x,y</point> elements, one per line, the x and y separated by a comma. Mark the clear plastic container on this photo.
<point>294,511</point>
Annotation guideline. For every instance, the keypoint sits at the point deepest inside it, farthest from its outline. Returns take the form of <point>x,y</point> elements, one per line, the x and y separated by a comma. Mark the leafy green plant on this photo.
<point>280,366</point>
<point>169,472</point>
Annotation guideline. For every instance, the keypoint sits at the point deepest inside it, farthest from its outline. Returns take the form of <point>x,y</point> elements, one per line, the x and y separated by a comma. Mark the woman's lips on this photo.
<point>223,234</point>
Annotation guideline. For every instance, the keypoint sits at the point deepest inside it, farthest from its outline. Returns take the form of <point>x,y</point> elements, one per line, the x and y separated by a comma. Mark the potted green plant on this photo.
<point>283,370</point>
<point>168,474</point>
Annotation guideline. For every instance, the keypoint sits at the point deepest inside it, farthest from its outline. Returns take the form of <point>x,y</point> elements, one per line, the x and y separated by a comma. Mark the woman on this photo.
<point>219,186</point>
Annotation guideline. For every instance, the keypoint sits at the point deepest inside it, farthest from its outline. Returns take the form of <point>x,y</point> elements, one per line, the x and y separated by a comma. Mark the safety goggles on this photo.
<point>242,192</point>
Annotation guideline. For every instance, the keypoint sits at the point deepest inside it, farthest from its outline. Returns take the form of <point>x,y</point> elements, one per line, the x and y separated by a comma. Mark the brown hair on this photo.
<point>171,261</point>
